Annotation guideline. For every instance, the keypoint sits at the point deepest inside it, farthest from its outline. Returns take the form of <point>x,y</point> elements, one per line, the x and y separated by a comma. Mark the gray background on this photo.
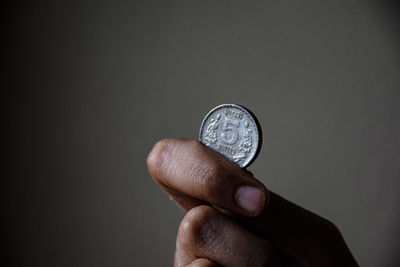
<point>93,85</point>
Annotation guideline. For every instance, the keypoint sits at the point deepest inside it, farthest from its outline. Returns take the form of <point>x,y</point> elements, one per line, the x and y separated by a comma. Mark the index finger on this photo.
<point>191,172</point>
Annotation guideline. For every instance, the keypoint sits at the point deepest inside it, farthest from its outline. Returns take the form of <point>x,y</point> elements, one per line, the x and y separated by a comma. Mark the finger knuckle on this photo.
<point>211,177</point>
<point>326,230</point>
<point>195,226</point>
<point>331,228</point>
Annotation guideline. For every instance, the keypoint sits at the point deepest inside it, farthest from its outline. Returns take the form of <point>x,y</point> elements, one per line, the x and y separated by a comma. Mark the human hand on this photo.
<point>233,219</point>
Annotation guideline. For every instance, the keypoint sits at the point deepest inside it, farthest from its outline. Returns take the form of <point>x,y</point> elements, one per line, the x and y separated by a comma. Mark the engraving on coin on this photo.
<point>211,135</point>
<point>232,131</point>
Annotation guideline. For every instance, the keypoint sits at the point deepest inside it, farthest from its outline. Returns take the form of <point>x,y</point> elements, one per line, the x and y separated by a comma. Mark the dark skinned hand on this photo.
<point>232,219</point>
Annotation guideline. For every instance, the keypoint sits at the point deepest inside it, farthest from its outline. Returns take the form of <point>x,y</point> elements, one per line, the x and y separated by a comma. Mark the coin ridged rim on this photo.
<point>260,137</point>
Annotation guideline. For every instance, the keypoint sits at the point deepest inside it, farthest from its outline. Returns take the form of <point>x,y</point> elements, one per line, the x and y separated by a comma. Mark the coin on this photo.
<point>232,131</point>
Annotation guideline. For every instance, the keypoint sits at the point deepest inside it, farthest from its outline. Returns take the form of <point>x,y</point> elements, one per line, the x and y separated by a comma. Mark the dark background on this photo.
<point>89,87</point>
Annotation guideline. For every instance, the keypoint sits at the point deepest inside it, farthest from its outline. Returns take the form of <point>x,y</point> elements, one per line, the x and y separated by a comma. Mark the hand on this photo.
<point>233,219</point>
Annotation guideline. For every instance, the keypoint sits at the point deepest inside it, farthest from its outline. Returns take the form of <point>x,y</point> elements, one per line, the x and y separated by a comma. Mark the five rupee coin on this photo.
<point>232,131</point>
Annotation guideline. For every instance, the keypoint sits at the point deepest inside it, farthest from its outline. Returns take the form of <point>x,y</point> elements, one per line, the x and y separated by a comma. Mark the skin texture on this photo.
<point>232,219</point>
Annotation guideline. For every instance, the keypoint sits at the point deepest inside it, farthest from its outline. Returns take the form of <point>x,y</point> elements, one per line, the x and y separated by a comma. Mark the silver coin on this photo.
<point>232,131</point>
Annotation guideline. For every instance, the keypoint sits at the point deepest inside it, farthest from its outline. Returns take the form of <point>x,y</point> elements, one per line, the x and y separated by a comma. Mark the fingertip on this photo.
<point>253,200</point>
<point>250,198</point>
<point>155,156</point>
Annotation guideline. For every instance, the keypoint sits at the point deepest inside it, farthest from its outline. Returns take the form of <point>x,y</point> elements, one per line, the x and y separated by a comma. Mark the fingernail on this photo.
<point>250,198</point>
